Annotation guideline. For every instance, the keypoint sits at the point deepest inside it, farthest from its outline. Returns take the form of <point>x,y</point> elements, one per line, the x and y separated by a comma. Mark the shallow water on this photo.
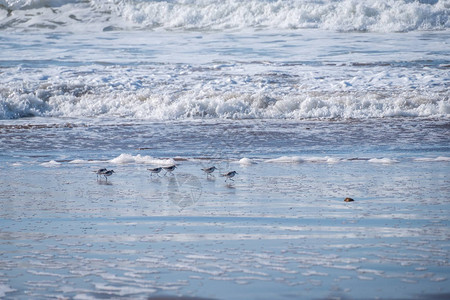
<point>280,230</point>
<point>183,75</point>
<point>69,139</point>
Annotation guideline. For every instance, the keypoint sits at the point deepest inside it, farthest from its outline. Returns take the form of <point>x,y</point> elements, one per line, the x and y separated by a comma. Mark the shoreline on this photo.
<point>277,227</point>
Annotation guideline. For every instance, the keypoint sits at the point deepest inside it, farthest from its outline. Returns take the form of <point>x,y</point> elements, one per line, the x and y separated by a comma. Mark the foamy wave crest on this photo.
<point>145,104</point>
<point>298,159</point>
<point>433,159</point>
<point>347,15</point>
<point>286,160</point>
<point>33,4</point>
<point>384,160</point>
<point>140,159</point>
<point>246,161</point>
<point>51,163</point>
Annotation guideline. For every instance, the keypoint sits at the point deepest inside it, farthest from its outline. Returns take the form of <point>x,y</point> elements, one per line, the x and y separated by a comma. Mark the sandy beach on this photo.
<point>280,230</point>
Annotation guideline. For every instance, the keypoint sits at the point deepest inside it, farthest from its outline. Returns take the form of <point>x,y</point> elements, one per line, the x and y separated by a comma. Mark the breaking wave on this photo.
<point>347,15</point>
<point>210,104</point>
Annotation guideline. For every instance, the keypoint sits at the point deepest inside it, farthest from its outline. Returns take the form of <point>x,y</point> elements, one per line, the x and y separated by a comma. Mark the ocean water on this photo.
<point>309,101</point>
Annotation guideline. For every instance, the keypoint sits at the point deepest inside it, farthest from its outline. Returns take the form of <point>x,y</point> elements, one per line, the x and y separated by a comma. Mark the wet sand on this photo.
<point>279,231</point>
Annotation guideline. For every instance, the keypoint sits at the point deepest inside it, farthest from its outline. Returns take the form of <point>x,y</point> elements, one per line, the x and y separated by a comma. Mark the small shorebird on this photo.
<point>169,169</point>
<point>100,172</point>
<point>155,171</point>
<point>108,173</point>
<point>209,170</point>
<point>229,175</point>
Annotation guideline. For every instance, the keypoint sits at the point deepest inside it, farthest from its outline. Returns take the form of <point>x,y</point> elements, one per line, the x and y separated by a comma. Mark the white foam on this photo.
<point>113,100</point>
<point>360,277</point>
<point>246,161</point>
<point>431,159</point>
<point>326,159</point>
<point>78,161</point>
<point>165,81</point>
<point>122,290</point>
<point>314,273</point>
<point>51,163</point>
<point>82,296</point>
<point>298,159</point>
<point>384,160</point>
<point>334,160</point>
<point>5,289</point>
<point>347,15</point>
<point>438,279</point>
<point>125,158</point>
<point>286,159</point>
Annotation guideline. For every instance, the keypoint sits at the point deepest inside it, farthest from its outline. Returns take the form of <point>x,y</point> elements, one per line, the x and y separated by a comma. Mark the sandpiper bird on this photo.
<point>108,173</point>
<point>169,169</point>
<point>155,171</point>
<point>229,175</point>
<point>209,170</point>
<point>100,172</point>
